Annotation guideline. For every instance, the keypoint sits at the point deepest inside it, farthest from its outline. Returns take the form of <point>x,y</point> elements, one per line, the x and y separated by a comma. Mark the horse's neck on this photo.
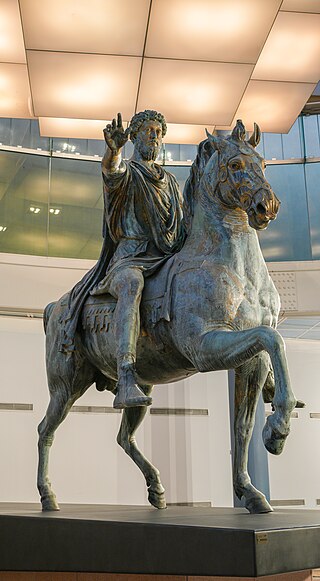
<point>223,234</point>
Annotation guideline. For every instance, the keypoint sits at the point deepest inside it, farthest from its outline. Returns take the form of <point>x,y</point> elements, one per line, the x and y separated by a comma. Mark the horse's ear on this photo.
<point>239,131</point>
<point>218,143</point>
<point>254,139</point>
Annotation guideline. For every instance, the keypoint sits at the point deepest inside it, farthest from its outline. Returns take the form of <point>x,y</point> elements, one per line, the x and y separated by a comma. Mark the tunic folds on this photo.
<point>144,217</point>
<point>143,226</point>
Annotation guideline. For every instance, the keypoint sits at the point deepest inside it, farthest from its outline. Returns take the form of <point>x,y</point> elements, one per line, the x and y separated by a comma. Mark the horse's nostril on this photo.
<point>261,209</point>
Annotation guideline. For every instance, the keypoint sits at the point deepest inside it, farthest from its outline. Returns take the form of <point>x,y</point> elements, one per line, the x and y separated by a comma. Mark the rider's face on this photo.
<point>149,140</point>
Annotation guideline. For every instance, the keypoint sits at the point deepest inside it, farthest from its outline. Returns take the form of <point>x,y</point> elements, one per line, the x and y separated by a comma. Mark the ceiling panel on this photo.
<point>300,328</point>
<point>292,51</point>
<point>314,334</point>
<point>274,106</point>
<point>11,38</point>
<point>193,92</point>
<point>199,59</point>
<point>93,26</point>
<point>83,86</point>
<point>302,323</point>
<point>229,31</point>
<point>193,134</point>
<point>93,129</point>
<point>301,5</point>
<point>15,100</point>
<point>75,128</point>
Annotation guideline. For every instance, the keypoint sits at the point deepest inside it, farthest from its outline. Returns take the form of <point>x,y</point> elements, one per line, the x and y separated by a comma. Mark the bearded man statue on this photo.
<point>144,219</point>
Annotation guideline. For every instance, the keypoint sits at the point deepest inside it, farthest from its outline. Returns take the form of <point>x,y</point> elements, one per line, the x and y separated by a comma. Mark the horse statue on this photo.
<point>212,306</point>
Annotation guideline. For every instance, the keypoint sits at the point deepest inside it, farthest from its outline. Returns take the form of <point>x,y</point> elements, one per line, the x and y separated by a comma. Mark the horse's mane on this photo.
<point>204,152</point>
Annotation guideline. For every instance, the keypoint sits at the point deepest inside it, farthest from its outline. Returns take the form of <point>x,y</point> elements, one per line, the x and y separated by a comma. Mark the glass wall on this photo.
<point>51,191</point>
<point>24,183</point>
<point>288,238</point>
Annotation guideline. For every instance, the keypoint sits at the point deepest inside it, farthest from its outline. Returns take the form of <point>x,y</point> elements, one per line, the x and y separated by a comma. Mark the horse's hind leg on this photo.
<point>131,419</point>
<point>250,379</point>
<point>65,386</point>
<point>60,403</point>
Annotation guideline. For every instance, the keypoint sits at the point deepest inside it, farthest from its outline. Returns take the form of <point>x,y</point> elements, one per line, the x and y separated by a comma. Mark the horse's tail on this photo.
<point>46,314</point>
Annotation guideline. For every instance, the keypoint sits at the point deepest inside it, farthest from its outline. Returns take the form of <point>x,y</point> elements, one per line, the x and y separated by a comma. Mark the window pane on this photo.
<point>188,152</point>
<point>73,146</point>
<point>24,132</point>
<point>288,237</point>
<point>172,151</point>
<point>181,173</point>
<point>313,188</point>
<point>24,203</point>
<point>273,146</point>
<point>292,142</point>
<point>311,132</point>
<point>260,147</point>
<point>96,147</point>
<point>75,211</point>
<point>127,151</point>
<point>5,131</point>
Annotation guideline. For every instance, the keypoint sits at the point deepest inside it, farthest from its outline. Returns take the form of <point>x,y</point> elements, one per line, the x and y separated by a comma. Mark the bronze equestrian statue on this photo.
<point>212,305</point>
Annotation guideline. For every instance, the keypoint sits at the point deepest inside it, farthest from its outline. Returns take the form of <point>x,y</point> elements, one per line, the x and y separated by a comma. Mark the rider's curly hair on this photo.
<point>148,115</point>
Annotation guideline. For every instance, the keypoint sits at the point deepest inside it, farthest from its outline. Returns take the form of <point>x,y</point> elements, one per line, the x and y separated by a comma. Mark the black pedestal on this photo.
<point>142,540</point>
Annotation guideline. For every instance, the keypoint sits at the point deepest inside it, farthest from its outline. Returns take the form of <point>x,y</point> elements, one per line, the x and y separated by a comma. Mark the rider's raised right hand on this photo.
<point>114,134</point>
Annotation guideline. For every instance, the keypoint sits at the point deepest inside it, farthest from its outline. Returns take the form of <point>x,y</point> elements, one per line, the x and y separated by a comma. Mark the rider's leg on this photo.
<point>127,286</point>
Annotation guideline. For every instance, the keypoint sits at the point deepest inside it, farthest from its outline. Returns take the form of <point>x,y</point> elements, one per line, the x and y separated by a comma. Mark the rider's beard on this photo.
<point>148,152</point>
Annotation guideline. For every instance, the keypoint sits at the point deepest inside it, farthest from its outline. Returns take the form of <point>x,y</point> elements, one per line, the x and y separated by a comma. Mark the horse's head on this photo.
<point>239,175</point>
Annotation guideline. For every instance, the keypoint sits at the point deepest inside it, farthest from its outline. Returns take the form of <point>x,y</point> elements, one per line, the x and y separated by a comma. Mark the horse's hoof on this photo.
<point>273,443</point>
<point>300,404</point>
<point>273,440</point>
<point>157,499</point>
<point>49,503</point>
<point>258,505</point>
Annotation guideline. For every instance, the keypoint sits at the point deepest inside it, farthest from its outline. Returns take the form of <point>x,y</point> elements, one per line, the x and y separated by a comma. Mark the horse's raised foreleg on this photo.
<point>250,378</point>
<point>268,391</point>
<point>58,408</point>
<point>131,419</point>
<point>226,349</point>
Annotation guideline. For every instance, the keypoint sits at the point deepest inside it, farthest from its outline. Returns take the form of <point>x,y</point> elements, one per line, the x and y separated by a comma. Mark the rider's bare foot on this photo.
<point>129,393</point>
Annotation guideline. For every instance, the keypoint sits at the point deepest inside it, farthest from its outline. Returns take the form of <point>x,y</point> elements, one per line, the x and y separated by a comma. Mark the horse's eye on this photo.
<point>235,165</point>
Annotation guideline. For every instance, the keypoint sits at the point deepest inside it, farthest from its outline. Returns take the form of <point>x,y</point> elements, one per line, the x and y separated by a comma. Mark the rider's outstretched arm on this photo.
<point>115,137</point>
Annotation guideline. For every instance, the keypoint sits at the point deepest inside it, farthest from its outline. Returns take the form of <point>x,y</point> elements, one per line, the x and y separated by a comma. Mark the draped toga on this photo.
<point>143,227</point>
<point>144,217</point>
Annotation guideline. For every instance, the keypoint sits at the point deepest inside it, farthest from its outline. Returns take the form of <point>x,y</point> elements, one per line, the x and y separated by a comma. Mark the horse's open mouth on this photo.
<point>264,208</point>
<point>257,221</point>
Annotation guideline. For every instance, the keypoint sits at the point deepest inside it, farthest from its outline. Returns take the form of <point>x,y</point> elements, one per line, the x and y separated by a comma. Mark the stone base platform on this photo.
<point>16,576</point>
<point>140,543</point>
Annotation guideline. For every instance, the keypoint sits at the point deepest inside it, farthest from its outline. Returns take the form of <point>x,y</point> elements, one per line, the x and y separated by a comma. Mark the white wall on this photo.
<point>295,474</point>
